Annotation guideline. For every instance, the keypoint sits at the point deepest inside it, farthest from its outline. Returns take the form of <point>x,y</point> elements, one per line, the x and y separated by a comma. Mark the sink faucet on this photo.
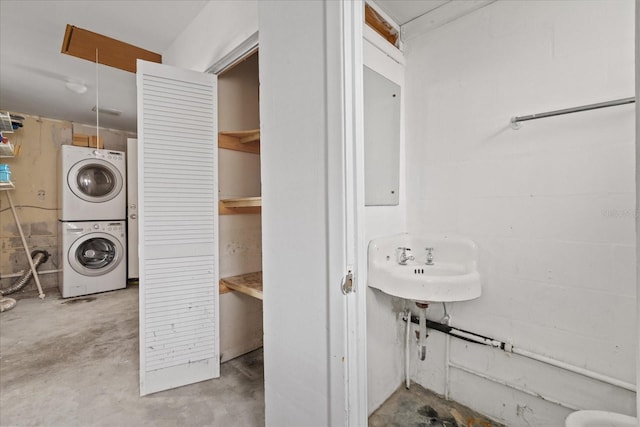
<point>402,256</point>
<point>429,256</point>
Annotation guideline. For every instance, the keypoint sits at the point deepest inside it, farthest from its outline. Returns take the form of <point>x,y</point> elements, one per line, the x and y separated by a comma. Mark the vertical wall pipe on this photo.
<point>447,367</point>
<point>407,355</point>
<point>422,335</point>
<point>447,352</point>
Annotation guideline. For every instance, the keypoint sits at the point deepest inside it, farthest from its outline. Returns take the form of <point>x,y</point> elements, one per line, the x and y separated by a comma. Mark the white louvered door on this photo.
<point>178,227</point>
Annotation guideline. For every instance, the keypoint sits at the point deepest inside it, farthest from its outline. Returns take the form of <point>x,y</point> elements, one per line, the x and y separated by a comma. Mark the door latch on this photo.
<point>347,283</point>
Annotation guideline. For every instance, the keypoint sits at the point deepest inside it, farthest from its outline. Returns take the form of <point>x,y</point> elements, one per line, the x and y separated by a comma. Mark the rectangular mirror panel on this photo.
<point>381,139</point>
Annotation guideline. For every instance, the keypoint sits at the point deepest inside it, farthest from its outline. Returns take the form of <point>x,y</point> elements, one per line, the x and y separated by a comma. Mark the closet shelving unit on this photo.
<point>248,284</point>
<point>247,141</point>
<point>242,205</point>
<point>7,152</point>
<point>7,185</point>
<point>5,122</point>
<point>243,140</point>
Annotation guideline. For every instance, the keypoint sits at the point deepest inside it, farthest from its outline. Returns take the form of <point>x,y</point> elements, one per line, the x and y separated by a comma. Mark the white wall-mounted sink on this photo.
<point>453,276</point>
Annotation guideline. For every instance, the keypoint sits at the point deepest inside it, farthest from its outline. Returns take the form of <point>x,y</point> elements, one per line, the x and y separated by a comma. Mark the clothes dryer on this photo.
<point>92,257</point>
<point>91,184</point>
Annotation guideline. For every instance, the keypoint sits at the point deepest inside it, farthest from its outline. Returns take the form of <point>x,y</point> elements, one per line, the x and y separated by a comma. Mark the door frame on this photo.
<point>353,108</point>
<point>237,54</point>
<point>318,129</point>
<point>353,111</point>
<point>347,390</point>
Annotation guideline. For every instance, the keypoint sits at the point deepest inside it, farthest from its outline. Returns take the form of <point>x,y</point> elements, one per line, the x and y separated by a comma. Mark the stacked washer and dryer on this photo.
<point>91,221</point>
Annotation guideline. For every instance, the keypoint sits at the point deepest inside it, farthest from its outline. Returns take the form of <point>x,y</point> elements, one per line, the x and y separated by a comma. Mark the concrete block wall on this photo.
<point>35,176</point>
<point>551,206</point>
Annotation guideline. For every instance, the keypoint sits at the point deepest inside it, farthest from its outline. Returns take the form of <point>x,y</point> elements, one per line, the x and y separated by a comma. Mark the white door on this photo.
<point>311,124</point>
<point>178,230</point>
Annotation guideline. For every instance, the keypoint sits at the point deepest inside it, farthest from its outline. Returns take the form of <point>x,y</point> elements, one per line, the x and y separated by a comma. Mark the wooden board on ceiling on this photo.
<point>83,43</point>
<point>380,25</point>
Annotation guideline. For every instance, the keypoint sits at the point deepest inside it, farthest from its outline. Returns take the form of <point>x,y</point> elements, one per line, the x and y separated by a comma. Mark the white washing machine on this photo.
<point>91,185</point>
<point>92,257</point>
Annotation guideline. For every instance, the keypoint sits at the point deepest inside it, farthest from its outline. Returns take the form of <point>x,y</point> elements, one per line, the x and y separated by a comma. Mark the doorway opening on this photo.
<point>240,222</point>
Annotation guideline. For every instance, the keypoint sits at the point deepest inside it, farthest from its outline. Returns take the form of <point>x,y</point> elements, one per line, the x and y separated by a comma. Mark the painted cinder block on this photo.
<point>551,206</point>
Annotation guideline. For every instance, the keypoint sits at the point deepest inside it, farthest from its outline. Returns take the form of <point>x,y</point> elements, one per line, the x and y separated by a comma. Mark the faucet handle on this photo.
<point>429,256</point>
<point>401,255</point>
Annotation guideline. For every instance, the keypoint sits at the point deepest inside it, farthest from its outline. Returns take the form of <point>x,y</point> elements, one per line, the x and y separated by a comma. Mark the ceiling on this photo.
<point>403,11</point>
<point>33,72</point>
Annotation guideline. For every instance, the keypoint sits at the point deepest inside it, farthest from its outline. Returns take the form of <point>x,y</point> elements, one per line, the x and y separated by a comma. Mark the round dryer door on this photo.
<point>95,180</point>
<point>95,254</point>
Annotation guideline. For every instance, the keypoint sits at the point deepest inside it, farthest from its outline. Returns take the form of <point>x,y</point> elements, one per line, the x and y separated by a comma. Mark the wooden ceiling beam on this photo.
<point>83,43</point>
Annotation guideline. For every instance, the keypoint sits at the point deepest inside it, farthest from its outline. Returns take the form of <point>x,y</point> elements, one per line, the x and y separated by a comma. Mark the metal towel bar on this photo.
<point>515,121</point>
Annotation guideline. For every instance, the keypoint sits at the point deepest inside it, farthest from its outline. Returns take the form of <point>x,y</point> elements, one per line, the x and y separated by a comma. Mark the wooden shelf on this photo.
<point>5,122</point>
<point>243,140</point>
<point>7,151</point>
<point>248,284</point>
<point>243,205</point>
<point>6,185</point>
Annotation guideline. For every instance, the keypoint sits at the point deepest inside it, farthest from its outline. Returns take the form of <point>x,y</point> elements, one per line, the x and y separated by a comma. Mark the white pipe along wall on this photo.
<point>551,206</point>
<point>509,348</point>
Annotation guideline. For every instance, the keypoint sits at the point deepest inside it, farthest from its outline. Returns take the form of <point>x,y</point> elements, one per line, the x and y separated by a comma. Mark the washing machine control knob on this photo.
<point>96,226</point>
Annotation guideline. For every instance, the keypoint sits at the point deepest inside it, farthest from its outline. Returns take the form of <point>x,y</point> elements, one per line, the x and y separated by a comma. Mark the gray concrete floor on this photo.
<point>419,407</point>
<point>75,363</point>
